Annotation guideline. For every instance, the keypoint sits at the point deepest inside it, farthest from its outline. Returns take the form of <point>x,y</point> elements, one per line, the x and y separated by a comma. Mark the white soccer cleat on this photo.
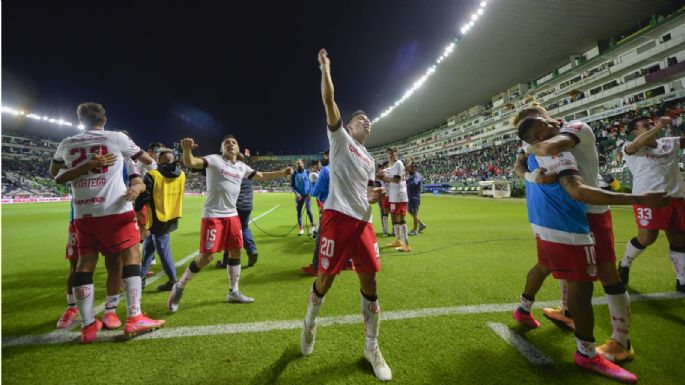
<point>174,298</point>
<point>380,367</point>
<point>307,338</point>
<point>238,297</point>
<point>299,234</point>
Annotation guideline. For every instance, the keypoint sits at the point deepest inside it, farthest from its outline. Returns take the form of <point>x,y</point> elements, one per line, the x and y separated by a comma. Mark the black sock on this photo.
<point>193,267</point>
<point>637,244</point>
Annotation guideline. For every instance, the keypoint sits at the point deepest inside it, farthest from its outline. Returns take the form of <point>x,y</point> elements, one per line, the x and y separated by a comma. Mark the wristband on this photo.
<point>532,176</point>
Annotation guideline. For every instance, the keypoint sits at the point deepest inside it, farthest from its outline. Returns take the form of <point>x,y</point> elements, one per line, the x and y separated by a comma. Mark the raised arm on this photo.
<point>83,168</point>
<point>552,146</point>
<point>327,92</point>
<point>271,175</point>
<point>188,144</point>
<point>647,137</point>
<point>573,184</point>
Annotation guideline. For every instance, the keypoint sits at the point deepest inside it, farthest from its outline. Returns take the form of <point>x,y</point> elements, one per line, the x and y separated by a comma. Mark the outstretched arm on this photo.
<point>97,161</point>
<point>573,184</point>
<point>271,175</point>
<point>189,159</point>
<point>327,92</point>
<point>647,137</point>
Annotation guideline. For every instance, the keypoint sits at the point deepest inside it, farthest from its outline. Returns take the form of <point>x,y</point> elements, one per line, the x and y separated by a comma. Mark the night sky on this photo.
<point>205,69</point>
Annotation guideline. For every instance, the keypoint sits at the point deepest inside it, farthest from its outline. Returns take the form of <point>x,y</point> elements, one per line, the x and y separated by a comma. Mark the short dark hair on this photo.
<point>632,125</point>
<point>91,114</point>
<point>349,118</point>
<point>525,128</point>
<point>385,163</point>
<point>392,149</point>
<point>314,162</point>
<point>326,151</point>
<point>229,136</point>
<point>154,146</point>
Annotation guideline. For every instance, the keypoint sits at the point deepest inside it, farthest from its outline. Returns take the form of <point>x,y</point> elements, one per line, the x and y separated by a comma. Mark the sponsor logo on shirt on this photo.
<point>90,201</point>
<point>353,149</point>
<point>229,174</point>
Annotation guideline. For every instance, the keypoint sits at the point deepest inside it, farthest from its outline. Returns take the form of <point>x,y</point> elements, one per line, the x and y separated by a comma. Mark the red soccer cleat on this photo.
<point>110,320</point>
<point>141,324</point>
<point>526,319</point>
<point>89,332</point>
<point>601,365</point>
<point>68,318</point>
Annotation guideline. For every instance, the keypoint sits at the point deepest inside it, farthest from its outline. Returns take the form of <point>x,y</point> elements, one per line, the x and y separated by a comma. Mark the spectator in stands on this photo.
<point>301,186</point>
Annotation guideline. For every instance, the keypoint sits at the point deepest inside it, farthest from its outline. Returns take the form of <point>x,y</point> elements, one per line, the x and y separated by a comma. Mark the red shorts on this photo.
<point>108,235</point>
<point>385,203</point>
<point>671,217</point>
<point>219,234</point>
<point>569,262</point>
<point>603,232</point>
<point>72,245</point>
<point>398,208</point>
<point>344,237</point>
<point>143,213</point>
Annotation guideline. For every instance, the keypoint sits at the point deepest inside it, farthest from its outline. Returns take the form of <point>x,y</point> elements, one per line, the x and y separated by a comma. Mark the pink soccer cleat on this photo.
<point>68,318</point>
<point>601,365</point>
<point>110,320</point>
<point>89,332</point>
<point>141,324</point>
<point>526,319</point>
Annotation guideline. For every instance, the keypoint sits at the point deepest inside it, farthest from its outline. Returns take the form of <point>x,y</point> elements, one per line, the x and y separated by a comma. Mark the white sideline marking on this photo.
<point>535,356</point>
<point>101,307</point>
<point>264,326</point>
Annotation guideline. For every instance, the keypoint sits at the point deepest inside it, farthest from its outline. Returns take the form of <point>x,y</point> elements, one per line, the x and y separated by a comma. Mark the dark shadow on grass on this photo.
<point>271,374</point>
<point>276,276</point>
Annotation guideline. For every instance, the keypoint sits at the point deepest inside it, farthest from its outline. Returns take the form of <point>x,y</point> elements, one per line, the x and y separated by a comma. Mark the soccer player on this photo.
<point>397,193</point>
<point>385,202</point>
<point>414,181</point>
<point>618,348</point>
<point>164,197</point>
<point>314,170</point>
<point>104,218</point>
<point>220,229</point>
<point>347,230</point>
<point>565,244</point>
<point>548,137</point>
<point>301,187</point>
<point>654,165</point>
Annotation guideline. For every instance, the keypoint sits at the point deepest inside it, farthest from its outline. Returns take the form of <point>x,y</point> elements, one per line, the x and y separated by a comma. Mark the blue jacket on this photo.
<point>320,189</point>
<point>245,197</point>
<point>300,182</point>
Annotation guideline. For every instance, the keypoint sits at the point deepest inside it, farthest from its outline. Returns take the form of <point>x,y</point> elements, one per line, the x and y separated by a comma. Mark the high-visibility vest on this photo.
<point>167,195</point>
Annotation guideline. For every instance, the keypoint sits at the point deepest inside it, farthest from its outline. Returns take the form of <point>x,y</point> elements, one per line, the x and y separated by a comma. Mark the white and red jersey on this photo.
<point>223,185</point>
<point>386,173</point>
<point>352,171</point>
<point>102,191</point>
<point>397,192</point>
<point>656,169</point>
<point>585,152</point>
<point>144,168</point>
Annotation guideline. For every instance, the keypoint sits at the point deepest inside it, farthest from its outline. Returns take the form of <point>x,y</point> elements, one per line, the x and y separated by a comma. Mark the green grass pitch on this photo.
<point>475,251</point>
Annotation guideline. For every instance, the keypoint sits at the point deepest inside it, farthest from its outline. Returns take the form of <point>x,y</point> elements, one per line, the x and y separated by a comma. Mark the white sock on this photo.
<point>185,277</point>
<point>112,302</point>
<point>678,260</point>
<point>85,295</point>
<point>395,229</point>
<point>631,253</point>
<point>371,311</point>
<point>313,305</point>
<point>233,276</point>
<point>586,348</point>
<point>619,310</point>
<point>526,304</point>
<point>563,289</point>
<point>403,233</point>
<point>384,222</point>
<point>71,300</point>
<point>134,288</point>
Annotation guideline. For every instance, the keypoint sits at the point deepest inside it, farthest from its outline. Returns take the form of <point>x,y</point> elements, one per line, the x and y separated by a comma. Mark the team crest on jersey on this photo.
<point>592,270</point>
<point>324,262</point>
<point>209,245</point>
<point>644,222</point>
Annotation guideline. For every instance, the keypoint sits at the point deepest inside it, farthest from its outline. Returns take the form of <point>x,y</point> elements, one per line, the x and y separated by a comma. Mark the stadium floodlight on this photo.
<point>45,117</point>
<point>81,127</point>
<point>434,67</point>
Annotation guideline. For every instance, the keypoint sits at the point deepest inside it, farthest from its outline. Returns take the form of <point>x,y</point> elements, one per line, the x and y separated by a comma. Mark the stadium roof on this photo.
<point>513,42</point>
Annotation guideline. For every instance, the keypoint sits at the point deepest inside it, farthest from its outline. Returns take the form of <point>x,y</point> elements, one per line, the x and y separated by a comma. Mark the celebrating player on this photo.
<point>104,218</point>
<point>654,165</point>
<point>565,246</point>
<point>347,230</point>
<point>397,192</point>
<point>220,229</point>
